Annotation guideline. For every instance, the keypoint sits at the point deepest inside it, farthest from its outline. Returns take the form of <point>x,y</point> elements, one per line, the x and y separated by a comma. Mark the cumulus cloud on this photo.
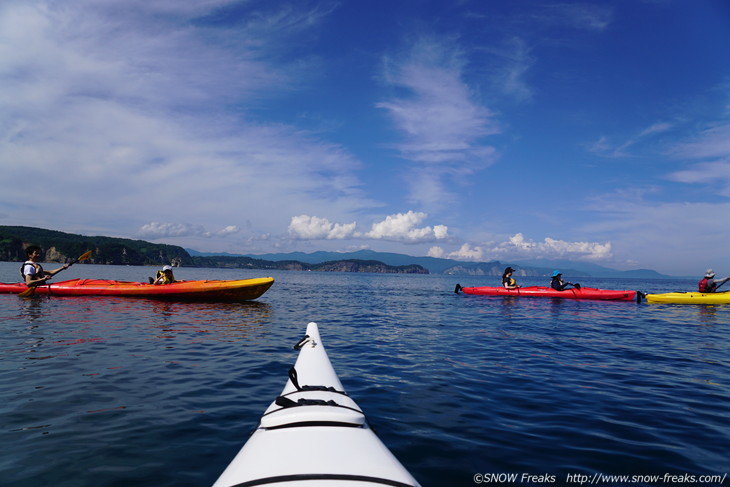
<point>436,251</point>
<point>518,247</point>
<point>156,230</point>
<point>552,248</point>
<point>307,227</point>
<point>402,227</point>
<point>229,230</point>
<point>467,252</point>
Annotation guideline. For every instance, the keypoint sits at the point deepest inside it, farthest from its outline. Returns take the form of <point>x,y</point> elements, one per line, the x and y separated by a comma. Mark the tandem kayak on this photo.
<point>689,298</point>
<point>314,434</point>
<point>226,290</point>
<point>548,292</point>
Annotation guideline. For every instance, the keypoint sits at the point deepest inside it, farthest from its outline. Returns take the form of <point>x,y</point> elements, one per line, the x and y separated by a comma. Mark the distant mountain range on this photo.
<point>62,247</point>
<point>449,266</point>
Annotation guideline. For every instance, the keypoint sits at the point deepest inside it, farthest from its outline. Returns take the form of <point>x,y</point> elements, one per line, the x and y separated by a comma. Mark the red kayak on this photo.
<point>547,292</point>
<point>228,290</point>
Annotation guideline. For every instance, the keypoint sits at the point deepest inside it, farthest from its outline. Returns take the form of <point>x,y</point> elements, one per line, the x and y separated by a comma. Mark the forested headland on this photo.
<point>64,247</point>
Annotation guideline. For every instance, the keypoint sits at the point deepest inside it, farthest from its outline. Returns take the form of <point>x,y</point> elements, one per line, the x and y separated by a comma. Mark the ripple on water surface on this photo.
<point>136,392</point>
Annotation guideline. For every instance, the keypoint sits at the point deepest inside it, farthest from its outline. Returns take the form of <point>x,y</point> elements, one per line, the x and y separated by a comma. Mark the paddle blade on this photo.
<point>27,292</point>
<point>84,256</point>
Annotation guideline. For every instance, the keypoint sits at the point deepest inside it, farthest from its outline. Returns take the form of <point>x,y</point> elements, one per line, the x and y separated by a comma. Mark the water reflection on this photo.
<point>31,308</point>
<point>221,320</point>
<point>44,328</point>
<point>708,313</point>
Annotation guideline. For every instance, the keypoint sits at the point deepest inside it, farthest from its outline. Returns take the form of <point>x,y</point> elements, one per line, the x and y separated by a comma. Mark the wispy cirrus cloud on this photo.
<point>713,142</point>
<point>102,92</point>
<point>605,148</point>
<point>713,145</point>
<point>511,61</point>
<point>437,114</point>
<point>582,16</point>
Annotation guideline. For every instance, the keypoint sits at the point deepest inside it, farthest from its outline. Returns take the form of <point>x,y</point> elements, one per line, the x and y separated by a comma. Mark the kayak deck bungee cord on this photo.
<point>314,434</point>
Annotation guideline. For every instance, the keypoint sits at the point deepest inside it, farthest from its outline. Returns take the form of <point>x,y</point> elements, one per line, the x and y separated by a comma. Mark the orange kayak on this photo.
<point>228,290</point>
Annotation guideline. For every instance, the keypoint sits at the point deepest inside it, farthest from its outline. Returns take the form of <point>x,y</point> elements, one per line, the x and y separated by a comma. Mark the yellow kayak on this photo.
<point>689,298</point>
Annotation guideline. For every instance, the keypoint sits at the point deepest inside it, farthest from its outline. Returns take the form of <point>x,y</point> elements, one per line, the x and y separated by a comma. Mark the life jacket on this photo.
<point>508,281</point>
<point>703,285</point>
<point>38,268</point>
<point>165,279</point>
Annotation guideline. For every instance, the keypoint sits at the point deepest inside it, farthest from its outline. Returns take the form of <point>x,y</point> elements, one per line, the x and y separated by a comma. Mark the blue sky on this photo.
<point>476,130</point>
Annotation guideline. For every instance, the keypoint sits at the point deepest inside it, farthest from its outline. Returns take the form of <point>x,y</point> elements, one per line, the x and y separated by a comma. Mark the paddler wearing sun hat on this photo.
<point>558,284</point>
<point>709,284</point>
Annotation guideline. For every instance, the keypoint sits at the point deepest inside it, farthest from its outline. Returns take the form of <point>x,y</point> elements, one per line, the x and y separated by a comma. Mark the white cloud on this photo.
<point>517,247</point>
<point>401,227</point>
<point>657,128</point>
<point>157,230</point>
<point>705,172</point>
<point>606,149</point>
<point>647,230</point>
<point>307,227</point>
<point>591,17</point>
<point>436,252</point>
<point>229,230</point>
<point>467,252</point>
<point>442,123</point>
<point>515,61</point>
<point>711,143</point>
<point>99,93</point>
<point>553,248</point>
<point>404,227</point>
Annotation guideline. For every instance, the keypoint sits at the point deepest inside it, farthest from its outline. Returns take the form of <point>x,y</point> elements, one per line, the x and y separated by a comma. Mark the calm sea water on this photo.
<point>119,392</point>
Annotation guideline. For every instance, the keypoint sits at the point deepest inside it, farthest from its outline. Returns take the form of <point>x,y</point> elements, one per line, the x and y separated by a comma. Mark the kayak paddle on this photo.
<point>723,282</point>
<point>31,289</point>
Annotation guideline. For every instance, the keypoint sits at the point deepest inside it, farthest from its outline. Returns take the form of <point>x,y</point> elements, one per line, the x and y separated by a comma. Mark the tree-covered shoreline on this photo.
<point>63,247</point>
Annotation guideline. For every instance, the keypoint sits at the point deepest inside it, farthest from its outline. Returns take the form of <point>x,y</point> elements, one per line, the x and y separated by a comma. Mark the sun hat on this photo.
<point>557,273</point>
<point>167,268</point>
<point>709,273</point>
